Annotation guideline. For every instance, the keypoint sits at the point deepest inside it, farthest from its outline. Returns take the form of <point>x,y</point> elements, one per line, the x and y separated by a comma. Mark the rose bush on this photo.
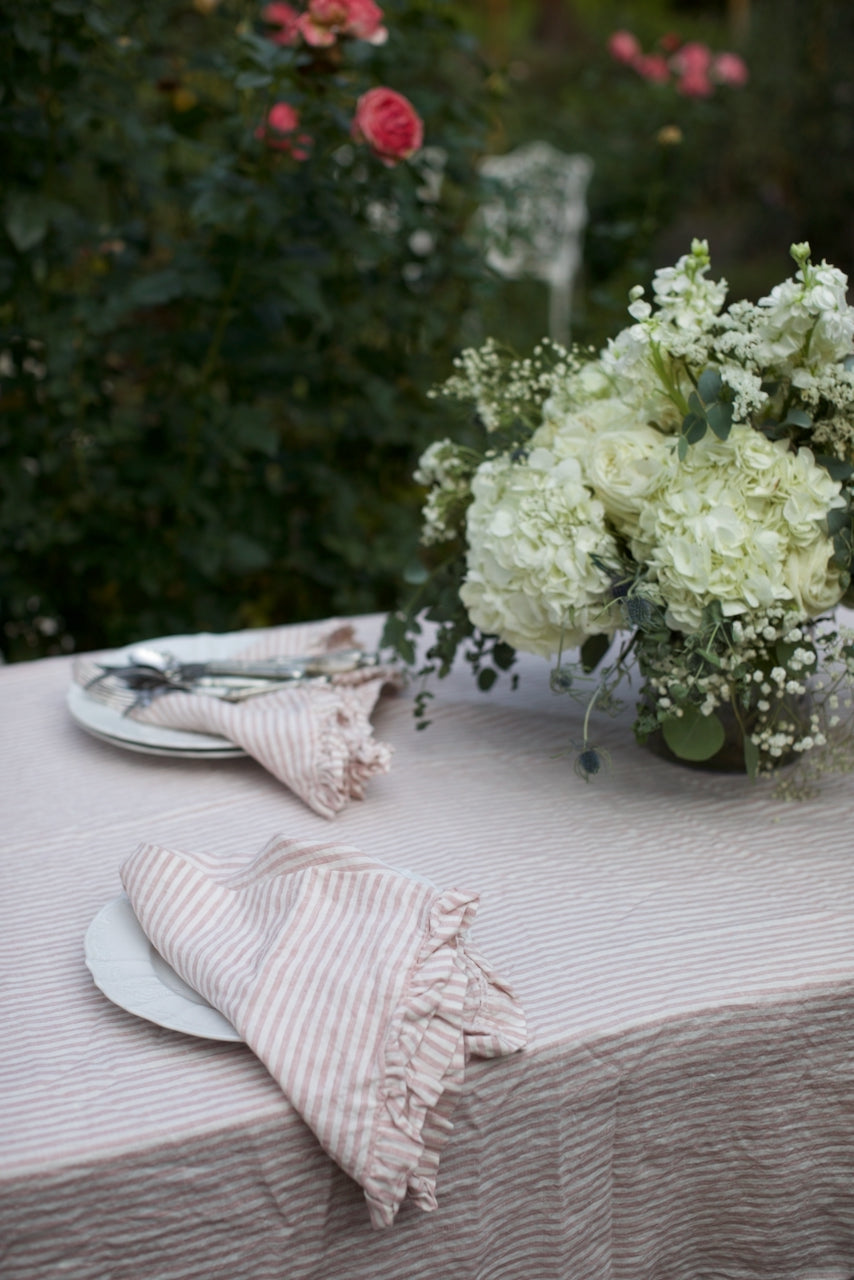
<point>213,360</point>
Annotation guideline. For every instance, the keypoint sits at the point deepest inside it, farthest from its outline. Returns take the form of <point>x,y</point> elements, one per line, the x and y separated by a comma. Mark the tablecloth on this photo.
<point>682,943</point>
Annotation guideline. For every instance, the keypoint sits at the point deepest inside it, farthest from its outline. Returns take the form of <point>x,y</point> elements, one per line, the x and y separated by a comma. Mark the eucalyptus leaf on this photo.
<point>797,418</point>
<point>693,736</point>
<point>836,520</point>
<point>415,573</point>
<point>836,468</point>
<point>709,385</point>
<point>719,418</point>
<point>693,428</point>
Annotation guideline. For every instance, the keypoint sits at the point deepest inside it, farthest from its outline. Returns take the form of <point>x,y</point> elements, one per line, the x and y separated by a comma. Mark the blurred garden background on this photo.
<point>217,336</point>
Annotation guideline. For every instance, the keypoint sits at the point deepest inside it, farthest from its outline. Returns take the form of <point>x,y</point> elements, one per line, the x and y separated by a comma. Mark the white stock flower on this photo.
<point>742,522</point>
<point>534,530</point>
<point>684,297</point>
<point>805,322</point>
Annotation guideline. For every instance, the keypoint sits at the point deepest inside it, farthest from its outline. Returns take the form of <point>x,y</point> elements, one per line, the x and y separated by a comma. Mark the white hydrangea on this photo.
<point>740,521</point>
<point>534,533</point>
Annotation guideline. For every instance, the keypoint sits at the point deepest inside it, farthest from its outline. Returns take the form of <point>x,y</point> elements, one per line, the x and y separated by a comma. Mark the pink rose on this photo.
<point>364,22</point>
<point>325,20</point>
<point>653,67</point>
<point>670,41</point>
<point>286,19</point>
<point>692,59</point>
<point>695,84</point>
<point>624,47</point>
<point>280,131</point>
<point>729,68</point>
<point>389,124</point>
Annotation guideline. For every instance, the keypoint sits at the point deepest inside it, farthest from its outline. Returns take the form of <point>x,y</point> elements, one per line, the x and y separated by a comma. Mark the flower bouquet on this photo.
<point>676,510</point>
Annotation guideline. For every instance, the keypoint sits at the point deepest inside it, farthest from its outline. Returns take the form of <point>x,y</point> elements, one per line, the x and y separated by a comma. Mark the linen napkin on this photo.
<point>354,983</point>
<point>316,738</point>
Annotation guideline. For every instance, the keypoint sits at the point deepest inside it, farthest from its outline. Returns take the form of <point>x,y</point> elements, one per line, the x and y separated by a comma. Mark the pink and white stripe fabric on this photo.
<point>355,985</point>
<point>315,738</point>
<point>682,944</point>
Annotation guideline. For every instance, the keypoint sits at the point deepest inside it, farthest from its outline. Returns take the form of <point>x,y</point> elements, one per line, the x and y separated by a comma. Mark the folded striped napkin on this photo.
<point>354,983</point>
<point>316,738</point>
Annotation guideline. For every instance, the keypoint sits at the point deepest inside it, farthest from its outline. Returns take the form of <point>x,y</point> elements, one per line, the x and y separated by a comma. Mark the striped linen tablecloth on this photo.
<point>682,945</point>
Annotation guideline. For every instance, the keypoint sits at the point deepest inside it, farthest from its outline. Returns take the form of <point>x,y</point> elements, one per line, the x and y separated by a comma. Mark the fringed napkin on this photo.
<point>355,985</point>
<point>315,738</point>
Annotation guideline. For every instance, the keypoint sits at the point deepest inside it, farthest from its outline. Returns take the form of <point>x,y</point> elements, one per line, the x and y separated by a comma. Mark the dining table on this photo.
<point>681,942</point>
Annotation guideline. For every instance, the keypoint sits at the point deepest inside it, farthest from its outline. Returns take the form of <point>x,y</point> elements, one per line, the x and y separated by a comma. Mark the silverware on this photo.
<point>296,667</point>
<point>150,673</point>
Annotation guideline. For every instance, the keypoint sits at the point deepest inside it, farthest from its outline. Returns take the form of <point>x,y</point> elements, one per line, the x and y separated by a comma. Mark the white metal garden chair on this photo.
<point>533,223</point>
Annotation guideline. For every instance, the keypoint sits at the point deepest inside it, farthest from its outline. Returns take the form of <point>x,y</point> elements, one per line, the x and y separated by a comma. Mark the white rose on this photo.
<point>623,466</point>
<point>570,431</point>
<point>811,579</point>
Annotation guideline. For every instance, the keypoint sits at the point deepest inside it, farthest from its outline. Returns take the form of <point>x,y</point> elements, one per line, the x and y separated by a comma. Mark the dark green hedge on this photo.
<point>214,356</point>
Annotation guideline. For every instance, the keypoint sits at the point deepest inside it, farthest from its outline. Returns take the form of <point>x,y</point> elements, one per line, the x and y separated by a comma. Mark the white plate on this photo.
<point>134,976</point>
<point>108,724</point>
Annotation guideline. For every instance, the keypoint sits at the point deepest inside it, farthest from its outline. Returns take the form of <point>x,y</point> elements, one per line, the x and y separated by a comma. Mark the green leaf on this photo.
<point>155,289</point>
<point>719,418</point>
<point>486,679</point>
<point>836,468</point>
<point>797,418</point>
<point>784,649</point>
<point>27,218</point>
<point>415,573</point>
<point>709,385</point>
<point>244,555</point>
<point>837,520</point>
<point>253,80</point>
<point>693,736</point>
<point>593,651</point>
<point>693,428</point>
<point>503,655</point>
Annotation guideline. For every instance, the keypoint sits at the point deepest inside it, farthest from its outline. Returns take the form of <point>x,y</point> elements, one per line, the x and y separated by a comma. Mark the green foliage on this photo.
<point>709,409</point>
<point>214,354</point>
<point>693,736</point>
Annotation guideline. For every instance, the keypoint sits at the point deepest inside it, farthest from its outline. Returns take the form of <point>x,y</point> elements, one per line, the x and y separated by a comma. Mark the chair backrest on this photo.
<point>533,220</point>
